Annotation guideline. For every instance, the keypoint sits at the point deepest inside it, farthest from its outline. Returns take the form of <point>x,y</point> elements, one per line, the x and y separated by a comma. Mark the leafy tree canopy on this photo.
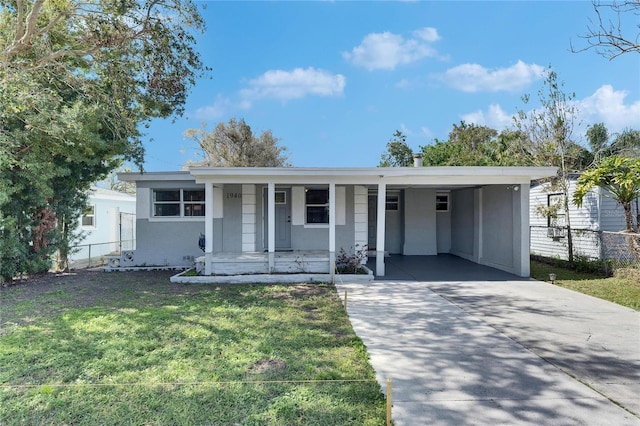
<point>620,176</point>
<point>77,80</point>
<point>234,145</point>
<point>398,153</point>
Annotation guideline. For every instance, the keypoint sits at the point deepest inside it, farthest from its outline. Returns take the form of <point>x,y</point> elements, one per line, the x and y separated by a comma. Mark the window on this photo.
<point>89,216</point>
<point>393,201</point>
<point>178,203</point>
<point>281,197</point>
<point>555,211</point>
<point>193,202</point>
<point>317,205</point>
<point>442,202</point>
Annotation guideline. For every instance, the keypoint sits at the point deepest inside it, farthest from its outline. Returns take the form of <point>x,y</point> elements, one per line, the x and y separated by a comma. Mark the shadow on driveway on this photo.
<point>467,344</point>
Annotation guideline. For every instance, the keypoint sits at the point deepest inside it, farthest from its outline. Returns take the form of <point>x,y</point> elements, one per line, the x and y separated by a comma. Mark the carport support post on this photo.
<point>382,202</point>
<point>271,232</point>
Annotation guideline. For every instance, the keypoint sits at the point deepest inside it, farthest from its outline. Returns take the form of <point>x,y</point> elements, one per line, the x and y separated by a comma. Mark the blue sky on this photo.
<point>335,80</point>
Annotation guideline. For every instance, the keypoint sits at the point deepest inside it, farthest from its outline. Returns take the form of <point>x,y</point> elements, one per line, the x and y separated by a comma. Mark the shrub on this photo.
<point>351,262</point>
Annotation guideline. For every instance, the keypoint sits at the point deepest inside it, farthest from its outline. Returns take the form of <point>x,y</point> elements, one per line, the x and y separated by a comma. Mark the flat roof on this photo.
<point>450,175</point>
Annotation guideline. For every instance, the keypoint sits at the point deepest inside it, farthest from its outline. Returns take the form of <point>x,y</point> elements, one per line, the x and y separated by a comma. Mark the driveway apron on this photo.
<point>497,349</point>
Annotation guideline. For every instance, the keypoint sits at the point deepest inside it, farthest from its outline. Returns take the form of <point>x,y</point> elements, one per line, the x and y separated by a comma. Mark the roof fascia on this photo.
<point>368,176</point>
<point>155,176</point>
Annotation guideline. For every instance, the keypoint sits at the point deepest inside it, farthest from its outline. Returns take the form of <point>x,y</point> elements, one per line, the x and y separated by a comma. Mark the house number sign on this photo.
<point>229,195</point>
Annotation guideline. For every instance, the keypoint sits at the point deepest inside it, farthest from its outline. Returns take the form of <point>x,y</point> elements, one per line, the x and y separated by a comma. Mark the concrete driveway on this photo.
<point>465,344</point>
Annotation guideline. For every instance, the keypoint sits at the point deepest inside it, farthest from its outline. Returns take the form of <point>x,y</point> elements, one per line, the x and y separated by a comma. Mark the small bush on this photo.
<point>351,263</point>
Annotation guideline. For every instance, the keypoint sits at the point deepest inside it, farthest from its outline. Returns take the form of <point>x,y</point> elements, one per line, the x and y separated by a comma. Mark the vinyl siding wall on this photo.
<point>597,213</point>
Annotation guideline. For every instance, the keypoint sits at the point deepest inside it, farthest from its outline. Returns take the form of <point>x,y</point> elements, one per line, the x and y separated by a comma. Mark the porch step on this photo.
<point>258,263</point>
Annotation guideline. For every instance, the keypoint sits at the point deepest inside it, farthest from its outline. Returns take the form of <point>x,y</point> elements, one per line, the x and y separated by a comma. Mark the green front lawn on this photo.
<point>623,289</point>
<point>132,348</point>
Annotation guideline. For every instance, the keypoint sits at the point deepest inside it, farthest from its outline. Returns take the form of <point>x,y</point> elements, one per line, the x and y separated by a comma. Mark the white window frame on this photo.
<point>392,201</point>
<point>560,221</point>
<point>182,203</point>
<point>91,215</point>
<point>307,205</point>
<point>283,200</point>
<point>446,202</point>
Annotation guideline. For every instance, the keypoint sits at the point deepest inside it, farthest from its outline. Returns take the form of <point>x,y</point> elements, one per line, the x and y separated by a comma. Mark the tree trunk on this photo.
<point>569,234</point>
<point>628,216</point>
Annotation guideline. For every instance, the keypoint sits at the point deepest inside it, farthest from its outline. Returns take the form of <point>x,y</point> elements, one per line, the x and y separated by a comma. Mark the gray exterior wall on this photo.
<point>167,243</point>
<point>420,237</point>
<point>231,222</point>
<point>462,223</point>
<point>164,241</point>
<point>443,229</point>
<point>310,237</point>
<point>498,226</point>
<point>394,227</point>
<point>487,228</point>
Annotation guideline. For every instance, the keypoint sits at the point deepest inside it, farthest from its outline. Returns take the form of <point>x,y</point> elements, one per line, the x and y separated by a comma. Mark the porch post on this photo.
<point>271,225</point>
<point>208,227</point>
<point>332,230</point>
<point>382,202</point>
<point>521,232</point>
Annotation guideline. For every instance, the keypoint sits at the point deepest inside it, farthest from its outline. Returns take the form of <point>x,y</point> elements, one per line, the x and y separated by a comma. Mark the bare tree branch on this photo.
<point>606,34</point>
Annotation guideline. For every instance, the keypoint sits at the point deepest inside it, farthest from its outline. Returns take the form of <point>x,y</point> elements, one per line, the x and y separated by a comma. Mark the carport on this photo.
<point>442,267</point>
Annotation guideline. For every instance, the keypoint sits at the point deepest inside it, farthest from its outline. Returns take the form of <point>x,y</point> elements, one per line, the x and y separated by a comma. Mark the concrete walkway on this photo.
<point>496,349</point>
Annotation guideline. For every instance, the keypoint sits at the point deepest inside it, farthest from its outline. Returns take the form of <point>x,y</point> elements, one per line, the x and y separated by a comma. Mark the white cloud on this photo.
<point>607,105</point>
<point>405,130</point>
<point>220,108</point>
<point>426,133</point>
<point>387,50</point>
<point>493,117</point>
<point>296,84</point>
<point>476,78</point>
<point>276,84</point>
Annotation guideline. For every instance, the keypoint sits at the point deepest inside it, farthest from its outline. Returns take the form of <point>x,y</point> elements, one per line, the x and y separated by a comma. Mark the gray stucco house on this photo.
<point>269,220</point>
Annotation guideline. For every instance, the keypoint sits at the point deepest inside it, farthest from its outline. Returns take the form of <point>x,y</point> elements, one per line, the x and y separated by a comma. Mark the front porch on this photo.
<point>284,262</point>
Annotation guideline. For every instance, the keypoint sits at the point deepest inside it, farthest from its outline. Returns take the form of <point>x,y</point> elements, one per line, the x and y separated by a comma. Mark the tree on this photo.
<point>598,138</point>
<point>609,34</point>
<point>398,153</point>
<point>112,182</point>
<point>620,176</point>
<point>474,145</point>
<point>627,144</point>
<point>547,138</point>
<point>234,145</point>
<point>77,81</point>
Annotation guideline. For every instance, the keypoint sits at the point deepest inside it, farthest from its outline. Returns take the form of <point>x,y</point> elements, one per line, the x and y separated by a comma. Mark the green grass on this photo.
<point>621,289</point>
<point>131,348</point>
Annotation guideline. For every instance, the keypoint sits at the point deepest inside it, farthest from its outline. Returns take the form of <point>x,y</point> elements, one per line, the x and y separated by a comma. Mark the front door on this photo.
<point>283,219</point>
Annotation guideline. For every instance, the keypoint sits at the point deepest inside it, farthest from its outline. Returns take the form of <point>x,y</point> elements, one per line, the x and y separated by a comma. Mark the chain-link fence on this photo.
<point>617,249</point>
<point>95,253</point>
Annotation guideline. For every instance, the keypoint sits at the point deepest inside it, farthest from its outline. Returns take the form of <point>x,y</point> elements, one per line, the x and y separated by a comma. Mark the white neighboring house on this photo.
<point>273,220</point>
<point>599,215</point>
<point>107,224</point>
